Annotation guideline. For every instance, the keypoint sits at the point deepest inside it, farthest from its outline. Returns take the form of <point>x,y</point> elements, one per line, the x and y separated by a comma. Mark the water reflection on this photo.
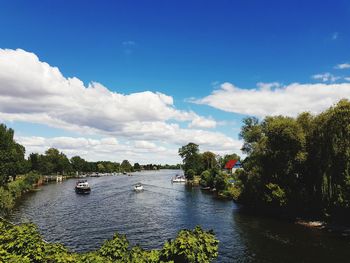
<point>272,240</point>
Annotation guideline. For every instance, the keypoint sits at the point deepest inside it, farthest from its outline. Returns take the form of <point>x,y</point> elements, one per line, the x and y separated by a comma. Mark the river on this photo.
<point>149,218</point>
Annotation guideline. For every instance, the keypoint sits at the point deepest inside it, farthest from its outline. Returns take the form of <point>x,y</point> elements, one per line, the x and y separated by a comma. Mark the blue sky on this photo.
<point>185,50</point>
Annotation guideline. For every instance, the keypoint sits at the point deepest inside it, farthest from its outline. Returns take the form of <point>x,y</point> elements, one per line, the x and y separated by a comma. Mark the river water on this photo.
<point>83,222</point>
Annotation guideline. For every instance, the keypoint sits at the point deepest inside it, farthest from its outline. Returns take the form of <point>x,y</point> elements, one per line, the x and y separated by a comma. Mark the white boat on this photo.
<point>82,187</point>
<point>178,179</point>
<point>138,187</point>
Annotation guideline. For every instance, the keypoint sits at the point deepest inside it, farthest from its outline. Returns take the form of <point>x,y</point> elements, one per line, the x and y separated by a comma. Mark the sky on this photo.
<point>136,80</point>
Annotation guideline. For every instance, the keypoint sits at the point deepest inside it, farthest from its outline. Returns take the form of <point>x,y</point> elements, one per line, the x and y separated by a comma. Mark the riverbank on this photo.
<point>13,191</point>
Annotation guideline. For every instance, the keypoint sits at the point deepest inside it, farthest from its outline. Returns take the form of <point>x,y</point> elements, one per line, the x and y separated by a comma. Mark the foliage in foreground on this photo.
<point>23,243</point>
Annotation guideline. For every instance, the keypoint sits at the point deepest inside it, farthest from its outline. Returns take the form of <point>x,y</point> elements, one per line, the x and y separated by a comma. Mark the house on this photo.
<point>233,165</point>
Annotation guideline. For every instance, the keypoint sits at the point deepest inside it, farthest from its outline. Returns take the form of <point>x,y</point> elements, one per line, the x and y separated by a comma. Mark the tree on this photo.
<point>190,174</point>
<point>209,160</point>
<point>137,167</point>
<point>78,164</point>
<point>12,159</point>
<point>195,246</point>
<point>220,181</point>
<point>34,161</point>
<point>191,158</point>
<point>126,166</point>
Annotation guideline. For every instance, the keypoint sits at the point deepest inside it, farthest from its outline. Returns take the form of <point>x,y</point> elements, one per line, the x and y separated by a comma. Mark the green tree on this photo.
<point>191,158</point>
<point>195,246</point>
<point>190,174</point>
<point>137,167</point>
<point>126,166</point>
<point>78,164</point>
<point>220,181</point>
<point>12,160</point>
<point>209,160</point>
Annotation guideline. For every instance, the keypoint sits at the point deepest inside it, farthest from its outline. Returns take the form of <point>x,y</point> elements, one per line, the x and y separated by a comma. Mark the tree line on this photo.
<point>208,166</point>
<point>13,161</point>
<point>298,166</point>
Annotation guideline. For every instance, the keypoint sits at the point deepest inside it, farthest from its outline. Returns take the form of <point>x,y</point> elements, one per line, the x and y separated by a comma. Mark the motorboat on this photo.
<point>138,187</point>
<point>178,179</point>
<point>82,187</point>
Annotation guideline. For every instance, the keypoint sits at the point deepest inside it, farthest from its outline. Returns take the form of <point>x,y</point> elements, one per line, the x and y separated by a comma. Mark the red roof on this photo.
<point>230,164</point>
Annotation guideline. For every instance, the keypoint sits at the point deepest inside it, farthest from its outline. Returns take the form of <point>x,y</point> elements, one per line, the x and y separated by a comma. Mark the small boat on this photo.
<point>138,187</point>
<point>178,179</point>
<point>82,187</point>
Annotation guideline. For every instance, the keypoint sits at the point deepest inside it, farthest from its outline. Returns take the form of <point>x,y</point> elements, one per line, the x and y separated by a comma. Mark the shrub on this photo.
<point>190,174</point>
<point>24,244</point>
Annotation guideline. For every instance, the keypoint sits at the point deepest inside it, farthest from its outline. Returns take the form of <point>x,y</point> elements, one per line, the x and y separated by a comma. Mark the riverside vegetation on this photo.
<point>206,169</point>
<point>23,243</point>
<point>295,167</point>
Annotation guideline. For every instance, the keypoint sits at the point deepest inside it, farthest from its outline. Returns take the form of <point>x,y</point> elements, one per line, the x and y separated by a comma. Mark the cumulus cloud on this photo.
<point>286,100</point>
<point>342,66</point>
<point>325,77</point>
<point>33,91</point>
<point>107,148</point>
<point>41,91</point>
<point>200,122</point>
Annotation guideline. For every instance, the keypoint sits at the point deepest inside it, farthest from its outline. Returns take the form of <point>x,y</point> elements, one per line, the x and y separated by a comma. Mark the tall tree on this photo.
<point>209,160</point>
<point>126,166</point>
<point>78,164</point>
<point>191,158</point>
<point>12,159</point>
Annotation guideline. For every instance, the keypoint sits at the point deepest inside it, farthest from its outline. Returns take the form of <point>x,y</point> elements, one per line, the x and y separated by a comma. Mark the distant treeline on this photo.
<point>13,161</point>
<point>298,166</point>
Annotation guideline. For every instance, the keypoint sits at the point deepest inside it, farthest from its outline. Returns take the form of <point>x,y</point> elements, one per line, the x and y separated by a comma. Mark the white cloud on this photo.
<point>286,100</point>
<point>347,78</point>
<point>326,77</point>
<point>342,66</point>
<point>107,148</point>
<point>267,86</point>
<point>41,92</point>
<point>200,122</point>
<point>33,91</point>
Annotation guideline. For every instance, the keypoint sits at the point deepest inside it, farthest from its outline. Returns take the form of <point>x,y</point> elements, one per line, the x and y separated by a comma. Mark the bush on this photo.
<point>190,174</point>
<point>205,178</point>
<point>190,247</point>
<point>24,244</point>
<point>220,182</point>
<point>275,195</point>
<point>6,201</point>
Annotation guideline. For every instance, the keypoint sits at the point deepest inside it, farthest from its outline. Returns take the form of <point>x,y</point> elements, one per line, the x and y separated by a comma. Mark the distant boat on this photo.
<point>138,187</point>
<point>178,179</point>
<point>82,187</point>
